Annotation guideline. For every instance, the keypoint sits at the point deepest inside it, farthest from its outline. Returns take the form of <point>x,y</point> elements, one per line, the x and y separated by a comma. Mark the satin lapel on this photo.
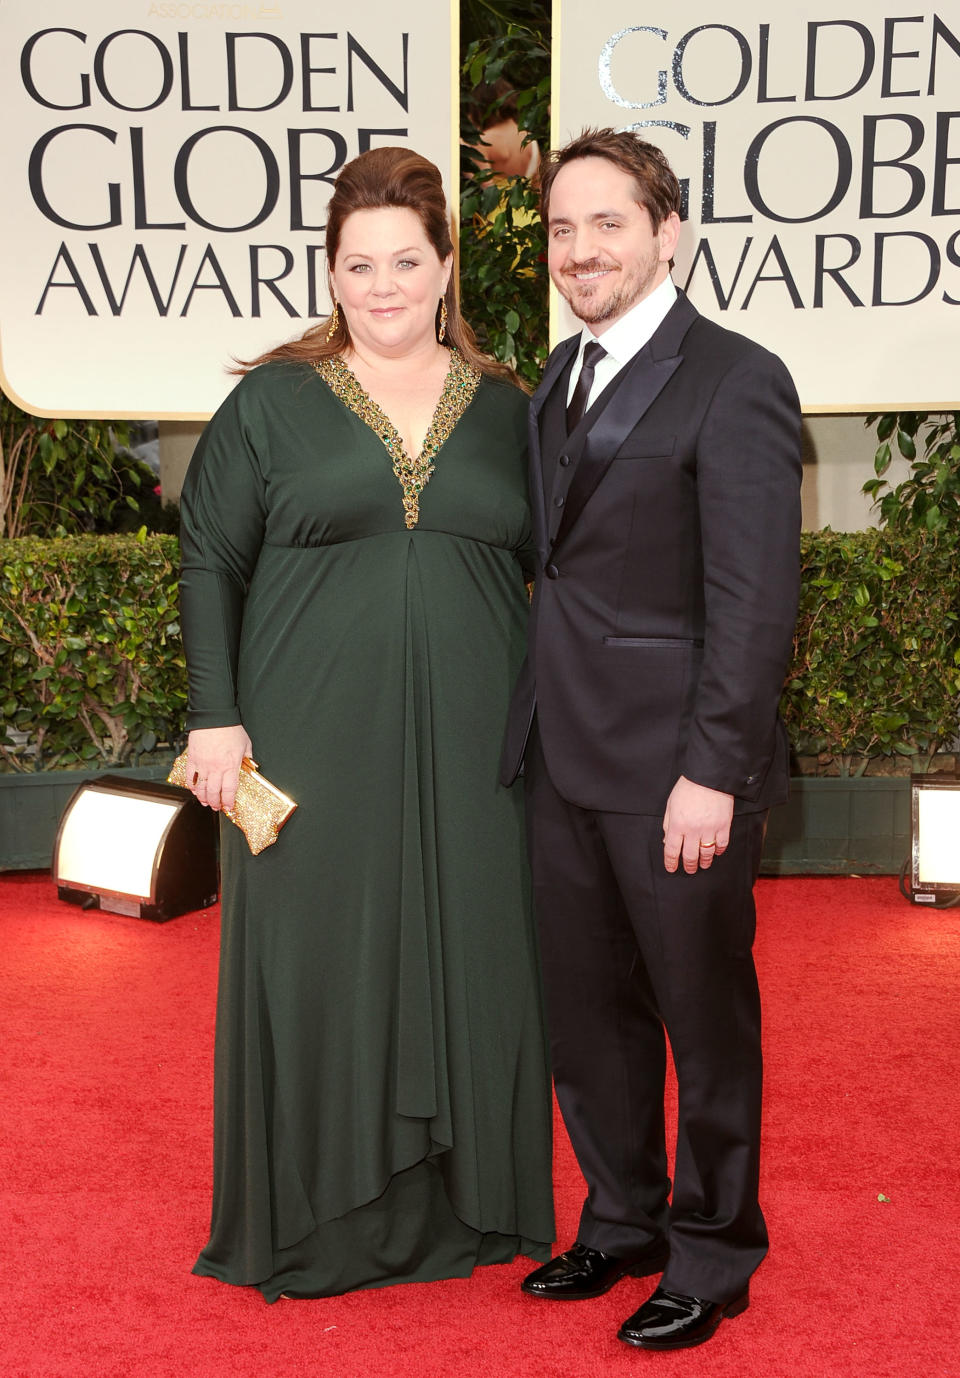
<point>538,503</point>
<point>555,365</point>
<point>634,391</point>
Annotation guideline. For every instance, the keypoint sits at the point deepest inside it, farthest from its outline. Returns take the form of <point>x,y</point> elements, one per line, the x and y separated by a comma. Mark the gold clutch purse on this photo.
<point>259,810</point>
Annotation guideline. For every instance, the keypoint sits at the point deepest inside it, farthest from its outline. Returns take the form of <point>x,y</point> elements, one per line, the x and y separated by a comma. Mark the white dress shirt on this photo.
<point>625,338</point>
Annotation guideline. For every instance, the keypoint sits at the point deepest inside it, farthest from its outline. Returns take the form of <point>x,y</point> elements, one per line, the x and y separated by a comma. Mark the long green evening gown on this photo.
<point>381,1101</point>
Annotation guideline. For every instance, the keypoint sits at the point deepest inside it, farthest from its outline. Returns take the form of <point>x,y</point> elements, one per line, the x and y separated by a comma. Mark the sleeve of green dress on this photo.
<point>513,406</point>
<point>222,511</point>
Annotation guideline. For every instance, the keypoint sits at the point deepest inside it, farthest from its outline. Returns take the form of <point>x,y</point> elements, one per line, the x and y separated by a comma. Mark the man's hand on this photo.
<point>696,825</point>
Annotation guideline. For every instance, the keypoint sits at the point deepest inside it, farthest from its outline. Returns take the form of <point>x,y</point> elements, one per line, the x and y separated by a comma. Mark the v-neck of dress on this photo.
<point>459,387</point>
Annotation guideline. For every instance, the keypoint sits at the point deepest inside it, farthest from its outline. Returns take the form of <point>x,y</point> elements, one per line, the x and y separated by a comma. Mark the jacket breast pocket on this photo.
<point>647,447</point>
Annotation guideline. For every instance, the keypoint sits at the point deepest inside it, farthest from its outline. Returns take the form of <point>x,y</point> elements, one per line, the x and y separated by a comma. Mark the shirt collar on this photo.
<point>627,336</point>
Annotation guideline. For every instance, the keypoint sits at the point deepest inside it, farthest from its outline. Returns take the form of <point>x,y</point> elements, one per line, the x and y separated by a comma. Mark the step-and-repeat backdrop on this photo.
<point>165,168</point>
<point>820,160</point>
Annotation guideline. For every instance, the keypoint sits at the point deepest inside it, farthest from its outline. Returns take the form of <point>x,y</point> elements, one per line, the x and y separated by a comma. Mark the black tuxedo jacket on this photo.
<point>667,526</point>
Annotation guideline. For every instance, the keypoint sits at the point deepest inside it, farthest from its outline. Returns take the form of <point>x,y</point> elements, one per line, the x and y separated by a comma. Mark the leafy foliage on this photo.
<point>876,665</point>
<point>92,669</point>
<point>504,293</point>
<point>930,498</point>
<point>503,275</point>
<point>91,664</point>
<point>479,19</point>
<point>62,477</point>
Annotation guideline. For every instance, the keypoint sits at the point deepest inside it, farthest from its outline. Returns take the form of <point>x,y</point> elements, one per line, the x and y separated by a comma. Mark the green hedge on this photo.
<point>92,669</point>
<point>91,664</point>
<point>876,665</point>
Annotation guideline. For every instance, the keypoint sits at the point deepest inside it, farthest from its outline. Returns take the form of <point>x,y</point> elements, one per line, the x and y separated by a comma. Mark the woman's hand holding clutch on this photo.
<point>213,763</point>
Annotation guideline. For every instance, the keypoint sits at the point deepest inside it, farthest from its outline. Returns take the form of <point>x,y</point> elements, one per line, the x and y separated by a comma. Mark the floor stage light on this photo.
<point>136,847</point>
<point>934,838</point>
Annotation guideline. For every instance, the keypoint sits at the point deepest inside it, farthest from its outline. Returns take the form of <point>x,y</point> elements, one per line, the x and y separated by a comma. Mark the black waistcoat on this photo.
<point>561,452</point>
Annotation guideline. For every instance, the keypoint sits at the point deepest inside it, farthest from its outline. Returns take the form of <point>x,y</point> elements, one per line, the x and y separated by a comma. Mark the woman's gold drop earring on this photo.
<point>443,320</point>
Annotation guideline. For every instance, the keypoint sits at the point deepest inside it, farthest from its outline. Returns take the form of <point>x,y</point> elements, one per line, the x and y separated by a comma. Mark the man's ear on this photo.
<point>669,233</point>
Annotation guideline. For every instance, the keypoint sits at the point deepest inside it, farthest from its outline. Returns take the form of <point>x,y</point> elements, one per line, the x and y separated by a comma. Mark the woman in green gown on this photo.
<point>354,620</point>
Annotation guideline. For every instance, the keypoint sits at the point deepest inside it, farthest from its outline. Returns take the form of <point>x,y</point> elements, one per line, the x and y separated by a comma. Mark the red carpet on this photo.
<point>106,1026</point>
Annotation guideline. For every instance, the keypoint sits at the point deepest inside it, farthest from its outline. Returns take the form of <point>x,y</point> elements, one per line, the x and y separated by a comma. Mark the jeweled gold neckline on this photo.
<point>459,386</point>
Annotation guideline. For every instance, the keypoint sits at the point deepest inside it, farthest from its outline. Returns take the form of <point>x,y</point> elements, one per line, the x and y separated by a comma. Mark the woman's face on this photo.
<point>389,280</point>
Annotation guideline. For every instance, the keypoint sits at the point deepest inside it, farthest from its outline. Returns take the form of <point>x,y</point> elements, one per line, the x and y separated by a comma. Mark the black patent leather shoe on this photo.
<point>583,1272</point>
<point>669,1320</point>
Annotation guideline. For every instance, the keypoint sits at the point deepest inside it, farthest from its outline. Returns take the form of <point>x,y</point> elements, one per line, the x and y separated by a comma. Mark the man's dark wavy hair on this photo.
<point>657,187</point>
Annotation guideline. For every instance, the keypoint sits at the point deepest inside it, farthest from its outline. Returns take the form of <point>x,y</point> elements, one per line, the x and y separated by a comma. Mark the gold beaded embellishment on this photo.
<point>459,386</point>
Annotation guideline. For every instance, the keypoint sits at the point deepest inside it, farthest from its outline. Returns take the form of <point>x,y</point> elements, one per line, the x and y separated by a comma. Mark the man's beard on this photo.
<point>595,309</point>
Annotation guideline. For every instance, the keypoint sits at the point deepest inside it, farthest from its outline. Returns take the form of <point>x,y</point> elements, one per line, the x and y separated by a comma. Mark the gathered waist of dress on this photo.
<point>417,535</point>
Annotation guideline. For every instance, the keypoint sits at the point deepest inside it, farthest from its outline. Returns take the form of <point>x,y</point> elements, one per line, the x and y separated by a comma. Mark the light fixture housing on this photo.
<point>137,847</point>
<point>934,838</point>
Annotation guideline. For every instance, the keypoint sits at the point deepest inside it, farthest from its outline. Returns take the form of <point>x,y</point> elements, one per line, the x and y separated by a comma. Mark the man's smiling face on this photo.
<point>603,252</point>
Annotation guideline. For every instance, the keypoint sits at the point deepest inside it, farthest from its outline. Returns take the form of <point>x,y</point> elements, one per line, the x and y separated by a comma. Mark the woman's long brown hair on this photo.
<point>386,177</point>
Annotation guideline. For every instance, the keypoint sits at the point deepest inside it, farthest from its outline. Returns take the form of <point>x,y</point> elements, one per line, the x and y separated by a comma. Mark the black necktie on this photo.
<point>578,402</point>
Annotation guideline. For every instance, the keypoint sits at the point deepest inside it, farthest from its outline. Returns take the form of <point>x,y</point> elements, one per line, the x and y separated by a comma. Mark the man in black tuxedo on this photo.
<point>665,476</point>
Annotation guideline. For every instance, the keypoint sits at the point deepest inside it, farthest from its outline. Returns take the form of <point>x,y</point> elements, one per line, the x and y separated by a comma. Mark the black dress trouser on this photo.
<point>628,950</point>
